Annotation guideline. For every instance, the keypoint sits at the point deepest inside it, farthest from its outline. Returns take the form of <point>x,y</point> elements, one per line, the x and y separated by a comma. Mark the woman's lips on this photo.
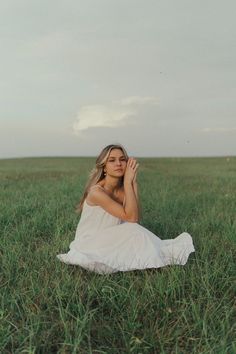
<point>119,169</point>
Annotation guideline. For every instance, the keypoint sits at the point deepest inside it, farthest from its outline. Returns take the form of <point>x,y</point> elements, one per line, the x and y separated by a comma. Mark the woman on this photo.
<point>108,236</point>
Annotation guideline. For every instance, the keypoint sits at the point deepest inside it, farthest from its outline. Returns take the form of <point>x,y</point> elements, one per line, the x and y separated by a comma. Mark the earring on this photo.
<point>104,173</point>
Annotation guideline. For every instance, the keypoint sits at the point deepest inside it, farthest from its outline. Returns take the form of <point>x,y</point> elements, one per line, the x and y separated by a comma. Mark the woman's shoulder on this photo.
<point>118,196</point>
<point>90,193</point>
<point>96,186</point>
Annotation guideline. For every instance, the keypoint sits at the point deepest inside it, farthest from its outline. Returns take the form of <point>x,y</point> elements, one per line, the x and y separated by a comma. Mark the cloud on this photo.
<point>101,116</point>
<point>218,130</point>
<point>116,114</point>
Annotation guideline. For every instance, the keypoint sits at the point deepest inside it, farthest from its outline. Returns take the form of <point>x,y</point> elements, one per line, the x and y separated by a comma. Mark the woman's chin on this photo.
<point>119,173</point>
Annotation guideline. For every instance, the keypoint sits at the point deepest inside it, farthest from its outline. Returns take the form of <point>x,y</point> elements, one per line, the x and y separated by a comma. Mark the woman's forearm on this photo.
<point>131,203</point>
<point>135,187</point>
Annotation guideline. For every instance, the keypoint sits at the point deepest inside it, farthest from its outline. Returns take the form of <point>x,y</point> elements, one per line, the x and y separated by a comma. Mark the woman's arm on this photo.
<point>135,190</point>
<point>135,187</point>
<point>127,212</point>
<point>131,202</point>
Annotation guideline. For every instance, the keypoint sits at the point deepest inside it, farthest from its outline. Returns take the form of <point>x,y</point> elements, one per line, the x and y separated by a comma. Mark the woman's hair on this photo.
<point>97,173</point>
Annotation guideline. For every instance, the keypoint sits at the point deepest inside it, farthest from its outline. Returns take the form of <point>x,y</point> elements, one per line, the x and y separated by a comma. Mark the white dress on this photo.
<point>105,244</point>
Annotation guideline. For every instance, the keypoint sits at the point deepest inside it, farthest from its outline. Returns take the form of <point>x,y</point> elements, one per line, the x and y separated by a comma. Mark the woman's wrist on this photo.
<point>128,182</point>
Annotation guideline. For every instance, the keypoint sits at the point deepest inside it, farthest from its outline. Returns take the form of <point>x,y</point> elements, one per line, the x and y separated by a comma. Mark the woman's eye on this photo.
<point>114,160</point>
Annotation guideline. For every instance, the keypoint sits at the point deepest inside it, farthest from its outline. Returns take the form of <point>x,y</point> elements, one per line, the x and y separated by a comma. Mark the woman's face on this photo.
<point>116,163</point>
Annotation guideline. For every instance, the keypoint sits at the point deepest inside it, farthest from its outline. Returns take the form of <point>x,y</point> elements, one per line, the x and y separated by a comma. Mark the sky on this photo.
<point>157,76</point>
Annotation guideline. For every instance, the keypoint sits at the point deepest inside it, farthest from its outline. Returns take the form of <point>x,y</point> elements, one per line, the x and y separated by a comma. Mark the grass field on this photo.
<point>50,307</point>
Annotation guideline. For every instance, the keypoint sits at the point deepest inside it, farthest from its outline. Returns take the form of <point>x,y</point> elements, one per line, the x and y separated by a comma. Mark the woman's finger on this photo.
<point>133,162</point>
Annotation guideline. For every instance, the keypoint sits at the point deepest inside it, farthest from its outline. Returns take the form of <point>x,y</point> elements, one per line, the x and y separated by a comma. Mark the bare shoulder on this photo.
<point>94,191</point>
<point>98,189</point>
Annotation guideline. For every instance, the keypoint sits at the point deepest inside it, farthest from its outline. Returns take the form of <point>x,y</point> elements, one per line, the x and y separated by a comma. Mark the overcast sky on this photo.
<point>158,76</point>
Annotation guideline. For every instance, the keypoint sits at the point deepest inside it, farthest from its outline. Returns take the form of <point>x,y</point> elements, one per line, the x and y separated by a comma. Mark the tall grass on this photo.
<point>50,307</point>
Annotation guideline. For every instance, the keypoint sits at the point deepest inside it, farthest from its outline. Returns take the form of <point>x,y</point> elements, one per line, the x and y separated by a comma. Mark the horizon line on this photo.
<point>94,156</point>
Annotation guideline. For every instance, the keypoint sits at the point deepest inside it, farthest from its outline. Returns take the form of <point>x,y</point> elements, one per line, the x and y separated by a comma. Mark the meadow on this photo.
<point>49,307</point>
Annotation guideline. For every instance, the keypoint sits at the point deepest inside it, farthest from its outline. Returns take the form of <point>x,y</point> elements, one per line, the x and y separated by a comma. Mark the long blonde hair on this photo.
<point>97,173</point>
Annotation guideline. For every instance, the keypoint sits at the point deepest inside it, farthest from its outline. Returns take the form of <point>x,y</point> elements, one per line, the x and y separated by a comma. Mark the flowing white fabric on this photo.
<point>105,244</point>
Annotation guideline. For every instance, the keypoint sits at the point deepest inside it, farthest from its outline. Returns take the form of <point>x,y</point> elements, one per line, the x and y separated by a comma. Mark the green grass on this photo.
<point>50,307</point>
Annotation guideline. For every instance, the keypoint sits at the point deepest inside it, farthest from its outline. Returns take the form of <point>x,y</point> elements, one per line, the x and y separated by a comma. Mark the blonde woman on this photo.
<point>109,237</point>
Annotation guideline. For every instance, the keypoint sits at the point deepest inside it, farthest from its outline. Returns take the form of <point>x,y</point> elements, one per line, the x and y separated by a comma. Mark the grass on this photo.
<point>51,307</point>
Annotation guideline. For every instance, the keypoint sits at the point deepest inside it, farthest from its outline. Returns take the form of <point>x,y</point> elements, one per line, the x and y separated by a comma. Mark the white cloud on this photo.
<point>115,114</point>
<point>101,116</point>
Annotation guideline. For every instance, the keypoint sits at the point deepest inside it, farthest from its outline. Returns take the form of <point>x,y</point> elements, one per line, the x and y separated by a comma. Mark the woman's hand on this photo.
<point>135,176</point>
<point>131,170</point>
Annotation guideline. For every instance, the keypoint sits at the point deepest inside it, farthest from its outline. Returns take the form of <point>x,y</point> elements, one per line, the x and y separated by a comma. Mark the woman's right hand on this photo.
<point>130,171</point>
